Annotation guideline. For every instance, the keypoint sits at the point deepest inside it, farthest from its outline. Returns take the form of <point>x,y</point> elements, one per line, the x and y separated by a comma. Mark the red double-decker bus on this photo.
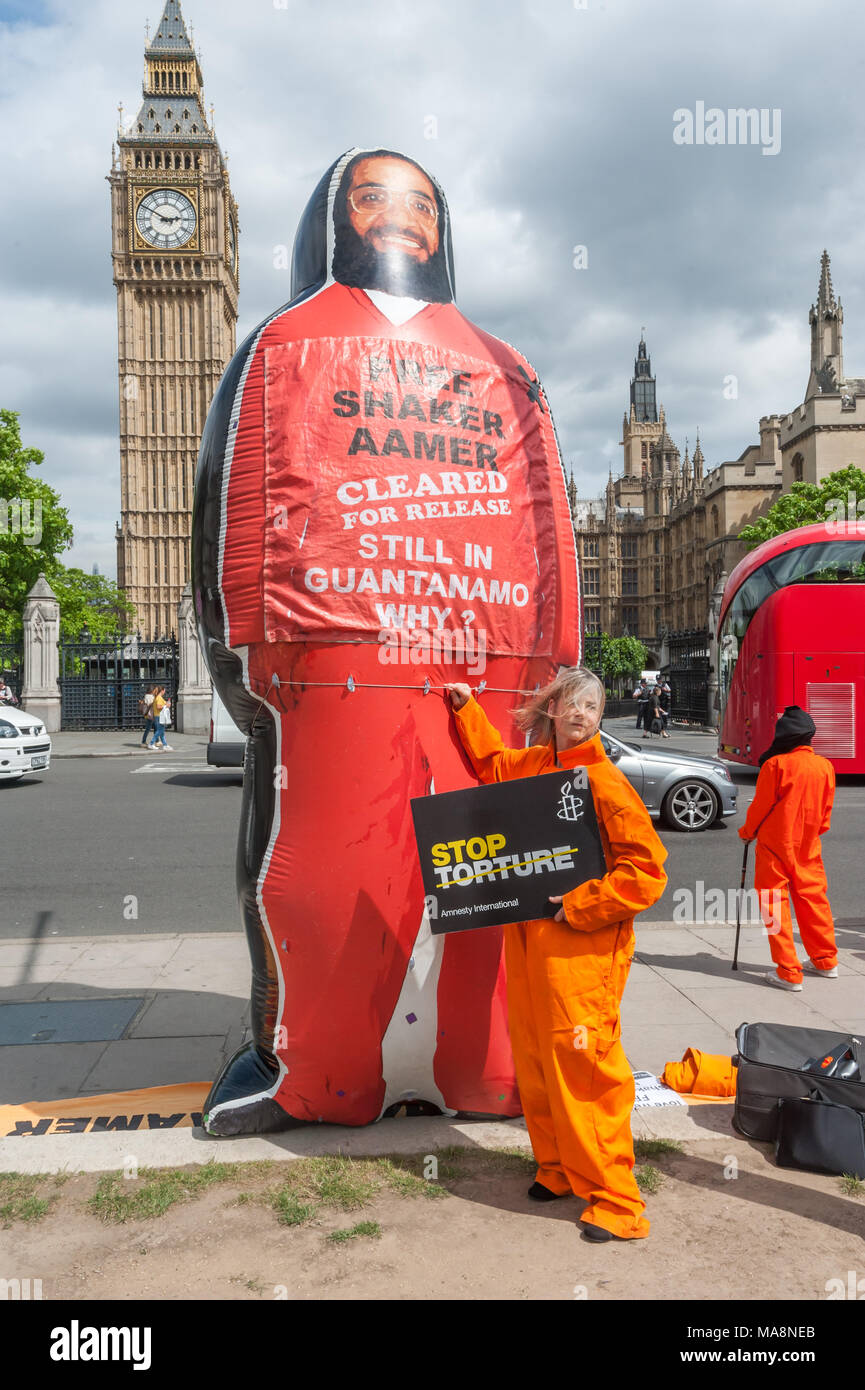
<point>792,632</point>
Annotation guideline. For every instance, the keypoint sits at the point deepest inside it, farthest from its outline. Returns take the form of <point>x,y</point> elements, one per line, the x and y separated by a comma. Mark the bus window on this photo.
<point>827,562</point>
<point>755,590</point>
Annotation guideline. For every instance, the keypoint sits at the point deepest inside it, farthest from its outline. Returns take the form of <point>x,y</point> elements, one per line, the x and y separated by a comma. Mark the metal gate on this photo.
<point>688,674</point>
<point>102,682</point>
<point>12,663</point>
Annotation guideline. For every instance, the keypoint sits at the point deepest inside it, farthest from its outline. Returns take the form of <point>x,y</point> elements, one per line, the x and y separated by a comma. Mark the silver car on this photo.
<point>686,790</point>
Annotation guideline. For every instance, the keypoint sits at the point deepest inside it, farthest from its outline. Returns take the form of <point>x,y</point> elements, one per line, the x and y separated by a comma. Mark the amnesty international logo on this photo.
<point>571,806</point>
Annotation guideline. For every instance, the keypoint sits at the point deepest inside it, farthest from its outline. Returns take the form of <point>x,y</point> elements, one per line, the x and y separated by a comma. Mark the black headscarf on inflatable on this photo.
<point>793,729</point>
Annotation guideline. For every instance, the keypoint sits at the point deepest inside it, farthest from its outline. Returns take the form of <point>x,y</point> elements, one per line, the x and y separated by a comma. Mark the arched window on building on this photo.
<point>798,466</point>
<point>716,526</point>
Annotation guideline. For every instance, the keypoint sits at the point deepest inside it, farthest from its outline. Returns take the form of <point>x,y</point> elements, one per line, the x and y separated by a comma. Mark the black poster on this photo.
<point>495,854</point>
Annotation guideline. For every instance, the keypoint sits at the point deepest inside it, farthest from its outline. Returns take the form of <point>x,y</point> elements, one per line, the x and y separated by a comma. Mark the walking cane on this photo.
<point>739,904</point>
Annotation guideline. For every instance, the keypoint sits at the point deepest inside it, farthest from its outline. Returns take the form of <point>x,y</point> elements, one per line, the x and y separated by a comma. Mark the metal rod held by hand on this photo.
<point>739,904</point>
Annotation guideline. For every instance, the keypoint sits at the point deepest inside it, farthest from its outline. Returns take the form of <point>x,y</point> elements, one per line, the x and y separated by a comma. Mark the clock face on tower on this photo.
<point>166,218</point>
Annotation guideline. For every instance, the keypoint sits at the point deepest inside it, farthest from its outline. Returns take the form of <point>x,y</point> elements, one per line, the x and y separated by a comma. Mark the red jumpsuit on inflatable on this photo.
<point>380,508</point>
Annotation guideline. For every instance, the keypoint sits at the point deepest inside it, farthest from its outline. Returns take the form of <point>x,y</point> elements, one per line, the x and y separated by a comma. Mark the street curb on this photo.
<point>100,1153</point>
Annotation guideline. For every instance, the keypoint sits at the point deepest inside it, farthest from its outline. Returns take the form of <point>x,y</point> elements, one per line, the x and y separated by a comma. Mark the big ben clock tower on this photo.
<point>174,251</point>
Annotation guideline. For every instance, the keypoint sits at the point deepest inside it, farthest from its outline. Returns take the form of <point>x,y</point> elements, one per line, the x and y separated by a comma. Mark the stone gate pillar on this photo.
<point>194,689</point>
<point>40,693</point>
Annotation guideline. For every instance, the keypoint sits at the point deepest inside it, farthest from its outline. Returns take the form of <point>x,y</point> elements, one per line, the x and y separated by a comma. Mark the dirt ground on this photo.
<point>764,1233</point>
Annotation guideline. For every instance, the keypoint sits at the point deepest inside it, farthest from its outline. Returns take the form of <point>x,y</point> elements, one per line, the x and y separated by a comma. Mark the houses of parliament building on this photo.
<point>654,549</point>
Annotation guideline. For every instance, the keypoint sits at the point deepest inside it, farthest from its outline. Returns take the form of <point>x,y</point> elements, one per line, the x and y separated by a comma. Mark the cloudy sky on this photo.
<point>552,128</point>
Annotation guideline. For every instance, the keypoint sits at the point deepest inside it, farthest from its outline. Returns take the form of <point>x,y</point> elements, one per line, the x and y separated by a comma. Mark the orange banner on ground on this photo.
<point>155,1107</point>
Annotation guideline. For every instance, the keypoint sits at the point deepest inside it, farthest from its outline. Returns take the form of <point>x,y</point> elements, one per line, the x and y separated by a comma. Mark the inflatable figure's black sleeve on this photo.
<point>253,1069</point>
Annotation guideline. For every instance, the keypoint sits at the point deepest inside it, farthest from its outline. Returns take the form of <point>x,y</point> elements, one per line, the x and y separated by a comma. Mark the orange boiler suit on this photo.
<point>565,982</point>
<point>792,808</point>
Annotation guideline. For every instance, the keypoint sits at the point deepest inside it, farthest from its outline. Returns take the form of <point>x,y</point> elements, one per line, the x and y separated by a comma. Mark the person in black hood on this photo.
<point>794,729</point>
<point>792,808</point>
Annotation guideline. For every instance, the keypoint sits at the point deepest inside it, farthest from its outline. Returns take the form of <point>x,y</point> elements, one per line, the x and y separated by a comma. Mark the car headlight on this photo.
<point>724,773</point>
<point>8,730</point>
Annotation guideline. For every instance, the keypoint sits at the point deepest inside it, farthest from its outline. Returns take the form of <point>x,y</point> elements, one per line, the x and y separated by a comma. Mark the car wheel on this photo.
<point>690,806</point>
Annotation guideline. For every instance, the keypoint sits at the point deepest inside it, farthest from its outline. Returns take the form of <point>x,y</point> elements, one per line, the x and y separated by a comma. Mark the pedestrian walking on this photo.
<point>566,973</point>
<point>145,706</point>
<point>665,699</point>
<point>641,695</point>
<point>160,703</point>
<point>7,694</point>
<point>652,721</point>
<point>792,808</point>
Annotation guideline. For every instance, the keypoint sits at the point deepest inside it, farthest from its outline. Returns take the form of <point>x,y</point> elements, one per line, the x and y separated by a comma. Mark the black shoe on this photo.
<point>596,1233</point>
<point>539,1193</point>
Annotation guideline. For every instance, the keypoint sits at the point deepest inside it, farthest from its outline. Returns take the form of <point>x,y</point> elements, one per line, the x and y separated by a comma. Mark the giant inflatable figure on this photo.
<point>380,508</point>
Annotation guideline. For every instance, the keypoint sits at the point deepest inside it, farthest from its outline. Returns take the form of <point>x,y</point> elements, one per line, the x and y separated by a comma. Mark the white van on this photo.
<point>227,746</point>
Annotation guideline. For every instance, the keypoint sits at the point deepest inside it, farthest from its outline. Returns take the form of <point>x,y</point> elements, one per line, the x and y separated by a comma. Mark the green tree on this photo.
<point>90,601</point>
<point>835,498</point>
<point>34,530</point>
<point>34,527</point>
<point>621,657</point>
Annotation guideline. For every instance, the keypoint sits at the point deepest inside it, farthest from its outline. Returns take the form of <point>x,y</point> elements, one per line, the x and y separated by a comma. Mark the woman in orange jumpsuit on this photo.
<point>566,974</point>
<point>791,809</point>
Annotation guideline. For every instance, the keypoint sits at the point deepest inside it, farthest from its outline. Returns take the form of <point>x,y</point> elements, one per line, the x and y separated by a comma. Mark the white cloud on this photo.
<point>553,128</point>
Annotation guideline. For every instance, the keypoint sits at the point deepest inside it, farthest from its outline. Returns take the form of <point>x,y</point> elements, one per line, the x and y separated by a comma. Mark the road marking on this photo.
<point>181,767</point>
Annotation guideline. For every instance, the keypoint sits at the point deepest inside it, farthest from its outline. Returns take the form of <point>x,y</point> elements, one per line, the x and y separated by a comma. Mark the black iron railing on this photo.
<point>101,683</point>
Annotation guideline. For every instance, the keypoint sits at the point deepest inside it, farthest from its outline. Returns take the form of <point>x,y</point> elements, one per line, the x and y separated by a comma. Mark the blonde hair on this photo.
<point>571,681</point>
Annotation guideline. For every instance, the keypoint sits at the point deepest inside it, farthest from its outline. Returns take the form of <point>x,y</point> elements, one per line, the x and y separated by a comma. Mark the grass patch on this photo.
<point>656,1148</point>
<point>649,1179</point>
<point>455,1162</point>
<point>20,1199</point>
<point>305,1186</point>
<point>289,1209</point>
<point>851,1185</point>
<point>156,1190</point>
<point>363,1228</point>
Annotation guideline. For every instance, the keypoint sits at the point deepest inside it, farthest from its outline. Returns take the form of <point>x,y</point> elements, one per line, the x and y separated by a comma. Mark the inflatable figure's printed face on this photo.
<point>387,223</point>
<point>392,207</point>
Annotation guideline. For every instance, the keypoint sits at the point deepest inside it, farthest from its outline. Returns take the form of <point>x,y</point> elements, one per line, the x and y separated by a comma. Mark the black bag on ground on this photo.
<point>820,1137</point>
<point>771,1059</point>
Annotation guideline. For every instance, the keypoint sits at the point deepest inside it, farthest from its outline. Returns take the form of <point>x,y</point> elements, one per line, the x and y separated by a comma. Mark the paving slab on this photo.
<point>48,951</point>
<point>107,980</point>
<point>134,1063</point>
<point>696,971</point>
<point>758,1003</point>
<point>11,991</point>
<point>179,1013</point>
<point>46,1071</point>
<point>131,953</point>
<point>674,1011</point>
